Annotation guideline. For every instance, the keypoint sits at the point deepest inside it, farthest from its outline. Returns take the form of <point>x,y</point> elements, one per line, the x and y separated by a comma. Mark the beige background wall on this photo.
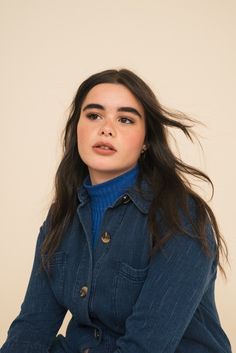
<point>186,51</point>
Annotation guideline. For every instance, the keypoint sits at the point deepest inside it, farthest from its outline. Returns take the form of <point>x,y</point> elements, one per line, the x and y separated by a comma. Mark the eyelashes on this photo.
<point>126,121</point>
<point>92,116</point>
<point>123,119</point>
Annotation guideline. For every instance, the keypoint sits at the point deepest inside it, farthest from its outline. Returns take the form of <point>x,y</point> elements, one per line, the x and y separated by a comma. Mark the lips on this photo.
<point>104,146</point>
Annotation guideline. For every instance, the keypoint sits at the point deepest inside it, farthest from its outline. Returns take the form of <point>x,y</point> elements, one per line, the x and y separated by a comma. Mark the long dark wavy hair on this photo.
<point>166,173</point>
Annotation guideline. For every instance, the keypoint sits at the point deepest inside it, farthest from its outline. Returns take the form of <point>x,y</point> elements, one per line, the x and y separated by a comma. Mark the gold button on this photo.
<point>83,291</point>
<point>106,238</point>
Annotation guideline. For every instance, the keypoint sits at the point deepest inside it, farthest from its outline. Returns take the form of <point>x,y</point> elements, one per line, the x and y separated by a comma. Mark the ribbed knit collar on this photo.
<point>105,194</point>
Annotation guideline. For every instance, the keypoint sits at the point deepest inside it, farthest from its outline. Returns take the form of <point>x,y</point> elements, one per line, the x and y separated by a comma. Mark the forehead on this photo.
<point>112,95</point>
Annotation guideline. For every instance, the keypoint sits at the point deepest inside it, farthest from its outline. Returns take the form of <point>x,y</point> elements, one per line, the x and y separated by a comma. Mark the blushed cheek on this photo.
<point>136,144</point>
<point>81,138</point>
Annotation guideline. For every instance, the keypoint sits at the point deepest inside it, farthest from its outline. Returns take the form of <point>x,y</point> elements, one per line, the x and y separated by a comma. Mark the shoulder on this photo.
<point>189,220</point>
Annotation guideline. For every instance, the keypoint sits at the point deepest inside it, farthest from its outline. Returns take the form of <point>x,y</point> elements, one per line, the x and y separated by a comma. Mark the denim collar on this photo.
<point>142,200</point>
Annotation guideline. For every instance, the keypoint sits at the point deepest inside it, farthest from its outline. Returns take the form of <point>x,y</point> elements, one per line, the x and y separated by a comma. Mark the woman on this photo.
<point>128,247</point>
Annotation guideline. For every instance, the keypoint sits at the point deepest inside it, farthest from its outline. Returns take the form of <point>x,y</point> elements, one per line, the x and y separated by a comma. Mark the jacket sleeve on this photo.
<point>176,281</point>
<point>41,315</point>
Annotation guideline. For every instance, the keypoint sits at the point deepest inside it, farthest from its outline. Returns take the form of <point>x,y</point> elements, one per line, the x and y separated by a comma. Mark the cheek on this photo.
<point>81,135</point>
<point>80,141</point>
<point>135,142</point>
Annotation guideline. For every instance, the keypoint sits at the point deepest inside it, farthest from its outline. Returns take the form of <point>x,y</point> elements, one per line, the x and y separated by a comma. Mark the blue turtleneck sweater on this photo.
<point>105,194</point>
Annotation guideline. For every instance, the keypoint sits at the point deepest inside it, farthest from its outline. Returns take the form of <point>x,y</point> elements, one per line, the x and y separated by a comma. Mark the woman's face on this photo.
<point>110,131</point>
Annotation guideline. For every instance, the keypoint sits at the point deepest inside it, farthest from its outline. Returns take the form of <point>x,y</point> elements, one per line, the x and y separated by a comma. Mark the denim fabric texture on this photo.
<point>120,300</point>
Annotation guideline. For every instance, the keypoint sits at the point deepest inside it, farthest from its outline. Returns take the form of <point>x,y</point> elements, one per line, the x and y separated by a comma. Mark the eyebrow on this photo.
<point>121,109</point>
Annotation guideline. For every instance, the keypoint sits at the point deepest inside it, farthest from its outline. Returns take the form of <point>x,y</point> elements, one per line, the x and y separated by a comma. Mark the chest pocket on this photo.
<point>127,285</point>
<point>56,274</point>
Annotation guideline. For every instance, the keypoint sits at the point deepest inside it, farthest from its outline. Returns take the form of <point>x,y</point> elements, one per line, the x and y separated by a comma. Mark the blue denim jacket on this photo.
<point>120,301</point>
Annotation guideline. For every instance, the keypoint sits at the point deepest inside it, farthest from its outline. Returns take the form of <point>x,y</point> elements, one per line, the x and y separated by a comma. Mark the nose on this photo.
<point>106,133</point>
<point>107,130</point>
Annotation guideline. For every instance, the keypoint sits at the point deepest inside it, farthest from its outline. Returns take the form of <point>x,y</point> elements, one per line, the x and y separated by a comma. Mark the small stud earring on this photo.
<point>144,149</point>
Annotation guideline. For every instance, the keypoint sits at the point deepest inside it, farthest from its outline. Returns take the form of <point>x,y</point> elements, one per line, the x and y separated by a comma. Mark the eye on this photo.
<point>125,120</point>
<point>93,116</point>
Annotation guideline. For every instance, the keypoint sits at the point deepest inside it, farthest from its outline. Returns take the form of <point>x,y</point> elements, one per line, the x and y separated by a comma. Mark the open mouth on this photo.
<point>104,146</point>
